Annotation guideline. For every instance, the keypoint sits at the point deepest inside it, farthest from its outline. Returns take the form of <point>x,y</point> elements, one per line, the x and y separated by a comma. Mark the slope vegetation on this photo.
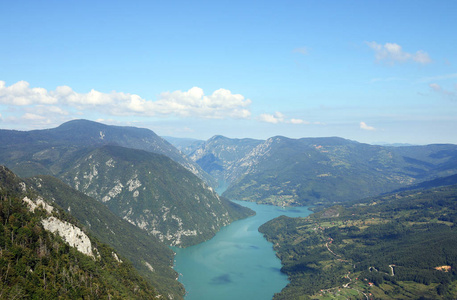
<point>401,246</point>
<point>50,151</point>
<point>41,255</point>
<point>154,193</point>
<point>152,259</point>
<point>283,171</point>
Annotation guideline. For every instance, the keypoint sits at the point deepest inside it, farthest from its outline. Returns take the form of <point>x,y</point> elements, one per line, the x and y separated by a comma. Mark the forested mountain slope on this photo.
<point>397,246</point>
<point>284,171</point>
<point>152,259</point>
<point>154,193</point>
<point>45,254</point>
<point>147,189</point>
<point>49,151</point>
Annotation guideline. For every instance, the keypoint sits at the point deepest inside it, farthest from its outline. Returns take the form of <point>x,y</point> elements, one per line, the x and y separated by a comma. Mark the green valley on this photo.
<point>134,193</point>
<point>401,245</point>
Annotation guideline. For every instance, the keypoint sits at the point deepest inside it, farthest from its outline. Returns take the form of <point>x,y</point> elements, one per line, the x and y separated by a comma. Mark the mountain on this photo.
<point>397,246</point>
<point>149,190</point>
<point>48,151</point>
<point>47,254</point>
<point>441,181</point>
<point>184,145</point>
<point>284,171</point>
<point>220,156</point>
<point>154,193</point>
<point>151,258</point>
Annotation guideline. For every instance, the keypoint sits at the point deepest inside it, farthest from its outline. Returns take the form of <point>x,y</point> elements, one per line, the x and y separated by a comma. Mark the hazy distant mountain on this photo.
<point>438,182</point>
<point>285,171</point>
<point>154,193</point>
<point>186,146</point>
<point>393,144</point>
<point>48,151</point>
<point>220,156</point>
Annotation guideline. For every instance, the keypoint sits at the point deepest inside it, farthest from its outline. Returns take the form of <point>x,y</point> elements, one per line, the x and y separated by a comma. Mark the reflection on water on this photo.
<point>238,263</point>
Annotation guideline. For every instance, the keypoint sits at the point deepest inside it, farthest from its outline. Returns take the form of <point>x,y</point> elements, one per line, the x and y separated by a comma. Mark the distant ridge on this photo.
<point>286,171</point>
<point>18,147</point>
<point>438,182</point>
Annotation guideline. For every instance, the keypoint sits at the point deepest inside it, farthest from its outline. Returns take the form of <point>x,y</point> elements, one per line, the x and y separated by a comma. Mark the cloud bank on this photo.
<point>393,53</point>
<point>220,104</point>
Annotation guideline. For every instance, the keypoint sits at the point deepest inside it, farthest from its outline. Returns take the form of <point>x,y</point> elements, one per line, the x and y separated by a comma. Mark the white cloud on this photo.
<point>278,117</point>
<point>299,121</point>
<point>46,110</point>
<point>435,86</point>
<point>274,119</point>
<point>29,116</point>
<point>364,126</point>
<point>21,94</point>
<point>393,53</point>
<point>222,103</point>
<point>192,103</point>
<point>33,117</point>
<point>421,57</point>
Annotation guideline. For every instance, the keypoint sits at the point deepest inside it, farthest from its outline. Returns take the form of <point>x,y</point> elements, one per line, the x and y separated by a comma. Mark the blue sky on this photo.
<point>371,71</point>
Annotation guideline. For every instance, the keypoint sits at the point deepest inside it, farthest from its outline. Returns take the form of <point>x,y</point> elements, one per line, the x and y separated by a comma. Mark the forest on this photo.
<point>402,244</point>
<point>37,264</point>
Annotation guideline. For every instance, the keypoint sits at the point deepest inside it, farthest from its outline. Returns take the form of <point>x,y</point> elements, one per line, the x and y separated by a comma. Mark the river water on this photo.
<point>237,263</point>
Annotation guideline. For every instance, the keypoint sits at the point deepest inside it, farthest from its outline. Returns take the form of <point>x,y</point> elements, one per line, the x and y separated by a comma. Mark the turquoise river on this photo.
<point>237,263</point>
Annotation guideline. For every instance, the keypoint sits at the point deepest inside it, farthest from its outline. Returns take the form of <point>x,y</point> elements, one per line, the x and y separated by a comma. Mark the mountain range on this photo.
<point>310,171</point>
<point>134,194</point>
<point>156,192</point>
<point>137,201</point>
<point>49,151</point>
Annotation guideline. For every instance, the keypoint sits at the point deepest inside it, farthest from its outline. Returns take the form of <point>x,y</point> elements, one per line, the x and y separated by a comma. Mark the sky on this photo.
<point>370,71</point>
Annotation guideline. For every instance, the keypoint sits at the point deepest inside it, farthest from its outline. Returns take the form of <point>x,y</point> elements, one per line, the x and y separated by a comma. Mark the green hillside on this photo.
<point>38,264</point>
<point>154,193</point>
<point>152,259</point>
<point>50,151</point>
<point>401,246</point>
<point>306,171</point>
<point>172,203</point>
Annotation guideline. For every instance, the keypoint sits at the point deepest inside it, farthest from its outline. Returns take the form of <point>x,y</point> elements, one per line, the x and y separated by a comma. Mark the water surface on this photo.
<point>238,263</point>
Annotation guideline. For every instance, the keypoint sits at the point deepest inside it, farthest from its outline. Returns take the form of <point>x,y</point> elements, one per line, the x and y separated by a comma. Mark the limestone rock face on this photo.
<point>74,236</point>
